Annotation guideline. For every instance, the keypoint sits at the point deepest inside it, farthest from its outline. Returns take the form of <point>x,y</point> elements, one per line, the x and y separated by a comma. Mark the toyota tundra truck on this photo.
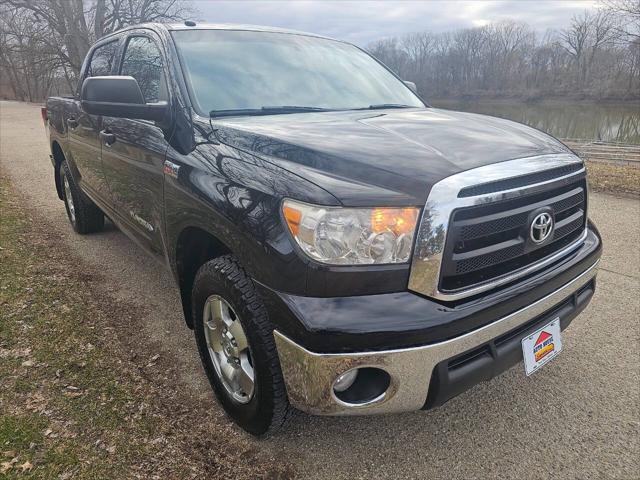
<point>340,246</point>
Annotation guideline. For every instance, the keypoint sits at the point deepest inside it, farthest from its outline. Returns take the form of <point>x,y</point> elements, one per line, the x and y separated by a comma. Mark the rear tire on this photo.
<point>266,408</point>
<point>84,216</point>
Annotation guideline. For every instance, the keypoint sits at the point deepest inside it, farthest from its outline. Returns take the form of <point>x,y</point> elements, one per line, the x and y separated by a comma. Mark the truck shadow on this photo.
<point>495,422</point>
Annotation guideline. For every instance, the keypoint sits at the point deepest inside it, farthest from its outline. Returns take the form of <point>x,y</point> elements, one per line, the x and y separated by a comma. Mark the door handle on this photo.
<point>72,123</point>
<point>107,137</point>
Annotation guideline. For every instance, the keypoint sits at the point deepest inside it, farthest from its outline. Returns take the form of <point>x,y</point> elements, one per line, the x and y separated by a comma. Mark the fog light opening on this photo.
<point>345,380</point>
<point>361,385</point>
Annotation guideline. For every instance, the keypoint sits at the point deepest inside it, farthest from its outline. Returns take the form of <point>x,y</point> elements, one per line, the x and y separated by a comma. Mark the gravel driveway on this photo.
<point>579,418</point>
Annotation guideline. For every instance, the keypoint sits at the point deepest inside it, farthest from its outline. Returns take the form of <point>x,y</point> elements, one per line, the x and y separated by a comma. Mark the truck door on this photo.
<point>84,144</point>
<point>133,151</point>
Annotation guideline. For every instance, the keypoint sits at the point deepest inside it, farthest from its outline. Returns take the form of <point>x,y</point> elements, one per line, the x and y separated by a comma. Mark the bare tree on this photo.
<point>628,14</point>
<point>419,48</point>
<point>29,64</point>
<point>66,21</point>
<point>56,34</point>
<point>508,45</point>
<point>112,15</point>
<point>589,58</point>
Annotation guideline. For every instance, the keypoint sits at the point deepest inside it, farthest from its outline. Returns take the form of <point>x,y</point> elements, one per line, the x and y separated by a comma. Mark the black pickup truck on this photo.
<point>340,246</point>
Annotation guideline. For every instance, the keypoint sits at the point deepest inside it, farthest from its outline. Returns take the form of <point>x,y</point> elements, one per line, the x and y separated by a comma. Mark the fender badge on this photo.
<point>141,220</point>
<point>171,169</point>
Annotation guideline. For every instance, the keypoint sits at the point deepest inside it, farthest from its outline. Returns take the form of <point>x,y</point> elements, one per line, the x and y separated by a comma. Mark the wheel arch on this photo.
<point>194,247</point>
<point>58,157</point>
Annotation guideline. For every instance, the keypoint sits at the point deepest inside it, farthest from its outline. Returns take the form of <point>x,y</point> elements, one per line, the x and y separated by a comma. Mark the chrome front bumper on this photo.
<point>309,376</point>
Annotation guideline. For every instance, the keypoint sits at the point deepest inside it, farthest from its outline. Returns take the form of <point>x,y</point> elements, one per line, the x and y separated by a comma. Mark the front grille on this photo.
<point>491,240</point>
<point>519,181</point>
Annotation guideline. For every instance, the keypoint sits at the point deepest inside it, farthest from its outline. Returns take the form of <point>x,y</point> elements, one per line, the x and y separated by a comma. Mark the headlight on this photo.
<point>352,236</point>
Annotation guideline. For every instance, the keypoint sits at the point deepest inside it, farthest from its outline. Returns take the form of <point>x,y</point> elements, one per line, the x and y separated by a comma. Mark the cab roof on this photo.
<point>233,26</point>
<point>219,26</point>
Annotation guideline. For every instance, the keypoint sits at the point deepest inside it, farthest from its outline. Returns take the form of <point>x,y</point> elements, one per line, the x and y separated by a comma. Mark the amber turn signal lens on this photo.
<point>396,220</point>
<point>293,217</point>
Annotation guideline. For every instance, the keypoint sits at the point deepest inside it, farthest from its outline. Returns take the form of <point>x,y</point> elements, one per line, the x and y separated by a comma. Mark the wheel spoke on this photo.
<point>212,329</point>
<point>245,379</point>
<point>216,310</point>
<point>214,341</point>
<point>227,315</point>
<point>229,373</point>
<point>238,333</point>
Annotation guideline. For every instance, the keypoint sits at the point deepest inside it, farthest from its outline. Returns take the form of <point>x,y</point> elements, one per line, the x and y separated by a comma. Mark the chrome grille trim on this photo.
<point>443,199</point>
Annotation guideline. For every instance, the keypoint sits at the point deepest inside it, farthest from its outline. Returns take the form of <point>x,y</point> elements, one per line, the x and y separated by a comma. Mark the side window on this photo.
<point>102,60</point>
<point>143,61</point>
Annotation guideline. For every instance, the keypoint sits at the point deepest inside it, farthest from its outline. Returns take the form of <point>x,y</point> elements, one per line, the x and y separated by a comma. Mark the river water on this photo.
<point>611,122</point>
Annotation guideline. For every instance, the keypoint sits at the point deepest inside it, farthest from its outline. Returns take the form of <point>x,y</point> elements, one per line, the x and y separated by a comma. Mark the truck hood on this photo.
<point>385,157</point>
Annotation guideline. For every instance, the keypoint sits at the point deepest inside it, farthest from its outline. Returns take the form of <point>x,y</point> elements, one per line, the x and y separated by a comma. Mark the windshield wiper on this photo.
<point>293,108</point>
<point>265,111</point>
<point>382,106</point>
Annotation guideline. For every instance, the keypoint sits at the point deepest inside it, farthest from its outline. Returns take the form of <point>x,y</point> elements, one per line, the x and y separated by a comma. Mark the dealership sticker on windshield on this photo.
<point>541,346</point>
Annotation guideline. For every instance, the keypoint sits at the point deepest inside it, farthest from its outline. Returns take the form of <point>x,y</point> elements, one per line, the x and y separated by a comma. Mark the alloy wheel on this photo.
<point>228,349</point>
<point>69,199</point>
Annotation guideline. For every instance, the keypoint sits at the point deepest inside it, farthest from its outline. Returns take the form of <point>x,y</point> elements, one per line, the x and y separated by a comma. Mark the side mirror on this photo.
<point>119,96</point>
<point>411,85</point>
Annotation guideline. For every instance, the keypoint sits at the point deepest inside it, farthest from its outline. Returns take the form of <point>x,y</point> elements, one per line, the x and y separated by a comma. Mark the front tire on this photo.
<point>84,216</point>
<point>236,346</point>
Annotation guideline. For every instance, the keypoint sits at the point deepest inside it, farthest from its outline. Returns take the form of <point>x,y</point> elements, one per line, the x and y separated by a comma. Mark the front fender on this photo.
<point>236,197</point>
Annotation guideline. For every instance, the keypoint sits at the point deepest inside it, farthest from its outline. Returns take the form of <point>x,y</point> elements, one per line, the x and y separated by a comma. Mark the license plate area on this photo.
<point>541,346</point>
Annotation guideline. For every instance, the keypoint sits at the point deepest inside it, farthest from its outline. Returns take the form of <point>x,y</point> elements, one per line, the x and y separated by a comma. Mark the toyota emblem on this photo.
<point>541,227</point>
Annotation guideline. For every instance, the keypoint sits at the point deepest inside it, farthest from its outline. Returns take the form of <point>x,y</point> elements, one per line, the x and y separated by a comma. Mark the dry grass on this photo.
<point>81,394</point>
<point>616,179</point>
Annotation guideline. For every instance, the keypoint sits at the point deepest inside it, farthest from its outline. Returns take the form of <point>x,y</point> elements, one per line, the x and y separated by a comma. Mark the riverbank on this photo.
<point>563,118</point>
<point>606,152</point>
<point>534,100</point>
<point>614,179</point>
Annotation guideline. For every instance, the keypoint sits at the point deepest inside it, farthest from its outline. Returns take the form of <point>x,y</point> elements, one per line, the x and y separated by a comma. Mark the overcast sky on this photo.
<point>361,22</point>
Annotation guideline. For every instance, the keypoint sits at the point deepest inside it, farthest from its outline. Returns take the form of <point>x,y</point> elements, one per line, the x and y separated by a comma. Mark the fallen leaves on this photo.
<point>110,449</point>
<point>72,391</point>
<point>153,360</point>
<point>6,466</point>
<point>15,353</point>
<point>36,402</point>
<point>614,178</point>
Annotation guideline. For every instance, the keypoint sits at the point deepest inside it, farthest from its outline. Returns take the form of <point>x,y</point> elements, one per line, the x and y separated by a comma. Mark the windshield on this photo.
<point>231,70</point>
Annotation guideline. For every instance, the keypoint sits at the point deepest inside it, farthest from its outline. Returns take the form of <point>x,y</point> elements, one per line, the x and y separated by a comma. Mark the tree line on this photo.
<point>596,56</point>
<point>43,42</point>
